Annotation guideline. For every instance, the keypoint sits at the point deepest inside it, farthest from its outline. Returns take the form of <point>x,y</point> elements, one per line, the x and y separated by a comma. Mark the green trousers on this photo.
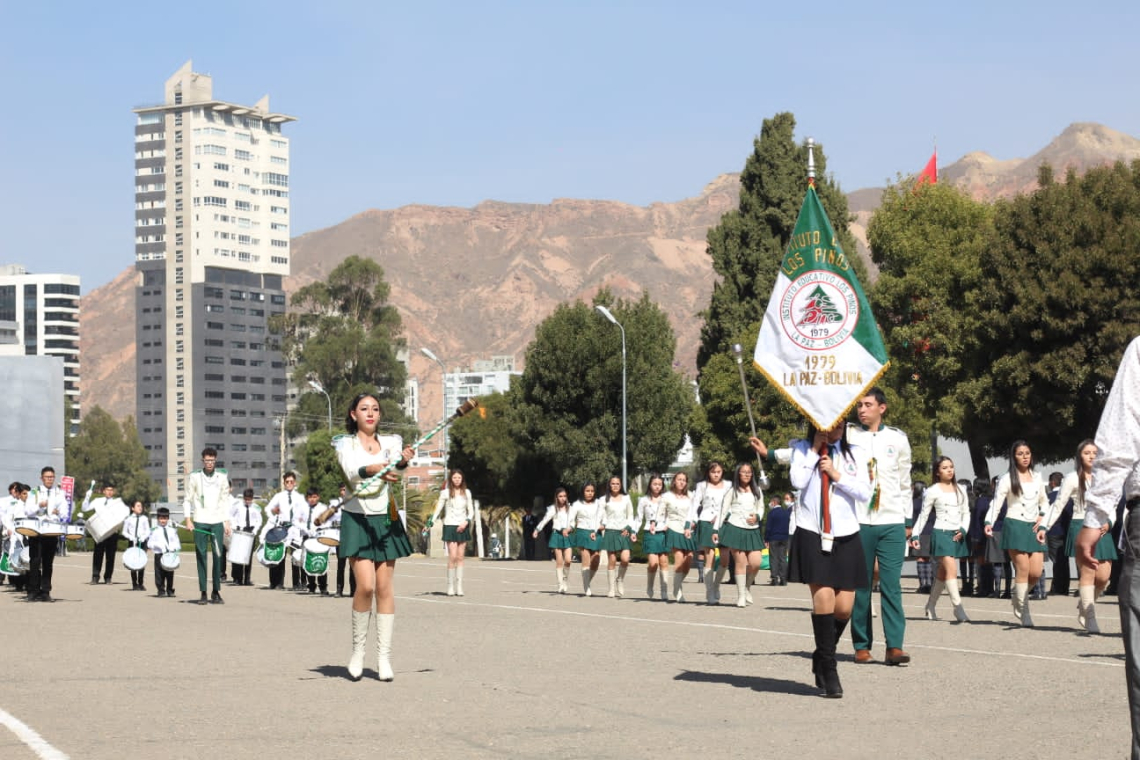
<point>886,543</point>
<point>204,543</point>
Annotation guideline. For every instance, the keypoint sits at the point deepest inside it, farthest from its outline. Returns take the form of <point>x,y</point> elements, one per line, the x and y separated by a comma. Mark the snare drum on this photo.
<point>271,554</point>
<point>315,563</point>
<point>170,561</point>
<point>27,526</point>
<point>314,546</point>
<point>21,560</point>
<point>134,558</point>
<point>241,547</point>
<point>276,535</point>
<point>329,536</point>
<point>51,529</point>
<point>75,532</point>
<point>107,520</point>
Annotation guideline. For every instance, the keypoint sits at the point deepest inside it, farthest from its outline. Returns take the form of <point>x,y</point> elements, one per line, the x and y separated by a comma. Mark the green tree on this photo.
<point>1055,311</point>
<point>569,396</point>
<point>108,452</point>
<point>747,248</point>
<point>344,334</point>
<point>927,241</point>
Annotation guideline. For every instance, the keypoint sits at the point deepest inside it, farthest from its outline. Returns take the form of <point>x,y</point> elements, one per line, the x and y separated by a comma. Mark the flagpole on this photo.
<point>824,479</point>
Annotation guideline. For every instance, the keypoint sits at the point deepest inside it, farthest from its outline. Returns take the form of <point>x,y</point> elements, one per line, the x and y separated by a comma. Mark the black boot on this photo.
<point>824,627</point>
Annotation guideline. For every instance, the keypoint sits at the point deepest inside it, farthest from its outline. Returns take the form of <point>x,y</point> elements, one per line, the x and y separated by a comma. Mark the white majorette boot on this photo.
<point>384,625</point>
<point>610,581</point>
<point>586,581</point>
<point>710,588</point>
<point>1017,598</point>
<point>650,577</point>
<point>361,622</point>
<point>749,579</point>
<point>1026,618</point>
<point>956,599</point>
<point>621,580</point>
<point>664,583</point>
<point>721,573</point>
<point>459,581</point>
<point>1086,609</point>
<point>451,581</point>
<point>565,578</point>
<point>741,590</point>
<point>678,582</point>
<point>932,601</point>
<point>558,576</point>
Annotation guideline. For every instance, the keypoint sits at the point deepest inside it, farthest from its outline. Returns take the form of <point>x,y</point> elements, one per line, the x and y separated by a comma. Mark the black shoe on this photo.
<point>94,580</point>
<point>340,594</point>
<point>203,599</point>
<point>142,587</point>
<point>107,580</point>
<point>216,598</point>
<point>924,589</point>
<point>170,593</point>
<point>161,593</point>
<point>248,583</point>
<point>223,577</point>
<point>1004,595</point>
<point>875,589</point>
<point>324,592</point>
<point>44,596</point>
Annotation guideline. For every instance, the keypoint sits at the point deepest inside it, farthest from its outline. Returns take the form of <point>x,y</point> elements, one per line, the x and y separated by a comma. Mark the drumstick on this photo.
<point>325,515</point>
<point>469,405</point>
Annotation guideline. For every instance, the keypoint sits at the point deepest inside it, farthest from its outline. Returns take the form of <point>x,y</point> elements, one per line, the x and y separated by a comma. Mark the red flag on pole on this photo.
<point>930,172</point>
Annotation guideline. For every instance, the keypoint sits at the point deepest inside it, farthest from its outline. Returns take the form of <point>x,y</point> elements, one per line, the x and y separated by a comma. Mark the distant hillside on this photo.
<point>471,283</point>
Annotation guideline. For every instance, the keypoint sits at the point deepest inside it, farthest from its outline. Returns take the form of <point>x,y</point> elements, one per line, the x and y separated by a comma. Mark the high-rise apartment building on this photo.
<point>211,250</point>
<point>39,316</point>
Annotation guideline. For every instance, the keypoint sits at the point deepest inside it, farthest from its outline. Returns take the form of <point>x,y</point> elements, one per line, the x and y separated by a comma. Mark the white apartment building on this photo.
<point>211,249</point>
<point>39,316</point>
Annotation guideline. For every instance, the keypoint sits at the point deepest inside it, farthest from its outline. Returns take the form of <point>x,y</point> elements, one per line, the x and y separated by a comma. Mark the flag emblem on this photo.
<point>819,310</point>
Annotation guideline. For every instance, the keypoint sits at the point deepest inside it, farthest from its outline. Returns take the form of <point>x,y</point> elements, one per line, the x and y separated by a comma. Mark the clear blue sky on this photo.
<point>455,103</point>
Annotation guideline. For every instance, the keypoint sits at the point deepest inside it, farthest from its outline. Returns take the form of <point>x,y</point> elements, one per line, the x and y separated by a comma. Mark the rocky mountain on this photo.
<point>472,283</point>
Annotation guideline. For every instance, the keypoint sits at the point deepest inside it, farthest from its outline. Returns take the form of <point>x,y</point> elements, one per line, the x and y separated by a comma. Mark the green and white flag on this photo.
<point>819,344</point>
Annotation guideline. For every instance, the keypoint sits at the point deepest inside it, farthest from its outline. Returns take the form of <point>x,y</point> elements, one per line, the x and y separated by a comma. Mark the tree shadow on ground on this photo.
<point>755,683</point>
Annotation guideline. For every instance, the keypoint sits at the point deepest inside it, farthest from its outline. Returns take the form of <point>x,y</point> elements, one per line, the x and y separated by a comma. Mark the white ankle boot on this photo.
<point>451,581</point>
<point>459,581</point>
<point>361,622</point>
<point>384,625</point>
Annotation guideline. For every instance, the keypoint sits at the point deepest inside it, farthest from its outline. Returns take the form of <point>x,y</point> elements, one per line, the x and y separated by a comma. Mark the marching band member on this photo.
<point>45,501</point>
<point>457,519</point>
<point>584,518</point>
<point>206,507</point>
<point>1023,536</point>
<point>558,516</point>
<point>300,528</point>
<point>313,500</point>
<point>948,539</point>
<point>738,528</point>
<point>618,534</point>
<point>679,531</point>
<point>341,560</point>
<point>1092,581</point>
<point>245,516</point>
<point>7,527</point>
<point>136,529</point>
<point>832,565</point>
<point>651,515</point>
<point>707,500</point>
<point>13,507</point>
<point>372,535</point>
<point>103,559</point>
<point>163,539</point>
<point>278,514</point>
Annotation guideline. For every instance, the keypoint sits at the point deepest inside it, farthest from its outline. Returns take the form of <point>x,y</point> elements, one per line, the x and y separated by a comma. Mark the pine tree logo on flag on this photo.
<point>818,310</point>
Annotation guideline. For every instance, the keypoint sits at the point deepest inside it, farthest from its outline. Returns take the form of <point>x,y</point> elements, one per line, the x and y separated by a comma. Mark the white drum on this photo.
<point>21,558</point>
<point>75,532</point>
<point>241,547</point>
<point>107,520</point>
<point>171,561</point>
<point>134,558</point>
<point>314,546</point>
<point>295,543</point>
<point>27,526</point>
<point>51,529</point>
<point>329,536</point>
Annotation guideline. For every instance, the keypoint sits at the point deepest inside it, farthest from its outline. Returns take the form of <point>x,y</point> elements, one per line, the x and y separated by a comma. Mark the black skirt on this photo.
<point>844,569</point>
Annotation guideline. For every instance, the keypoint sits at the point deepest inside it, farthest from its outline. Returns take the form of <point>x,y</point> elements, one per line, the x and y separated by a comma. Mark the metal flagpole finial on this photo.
<point>811,161</point>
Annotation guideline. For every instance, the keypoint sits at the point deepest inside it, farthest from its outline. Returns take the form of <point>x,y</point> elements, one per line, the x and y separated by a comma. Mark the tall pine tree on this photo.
<point>746,249</point>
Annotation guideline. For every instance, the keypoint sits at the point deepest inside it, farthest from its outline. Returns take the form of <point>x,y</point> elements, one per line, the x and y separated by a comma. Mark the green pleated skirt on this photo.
<point>942,544</point>
<point>451,534</point>
<point>558,541</point>
<point>581,540</point>
<point>675,541</point>
<point>741,539</point>
<point>373,537</point>
<point>704,535</point>
<point>614,541</point>
<point>653,543</point>
<point>1105,548</point>
<point>1019,536</point>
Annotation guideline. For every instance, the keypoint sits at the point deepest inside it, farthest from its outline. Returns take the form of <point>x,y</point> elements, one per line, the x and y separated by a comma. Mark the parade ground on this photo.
<point>514,670</point>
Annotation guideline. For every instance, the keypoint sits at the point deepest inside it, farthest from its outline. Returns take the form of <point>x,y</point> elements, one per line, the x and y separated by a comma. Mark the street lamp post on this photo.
<point>609,315</point>
<point>443,385</point>
<point>316,385</point>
